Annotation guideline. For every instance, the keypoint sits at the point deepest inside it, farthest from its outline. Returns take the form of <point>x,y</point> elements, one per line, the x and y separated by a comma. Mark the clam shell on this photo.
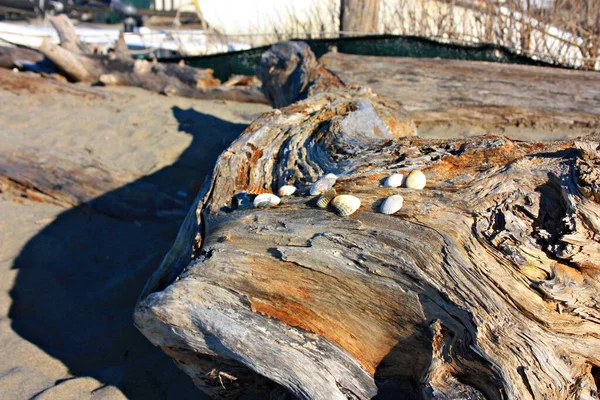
<point>323,184</point>
<point>287,190</point>
<point>266,200</point>
<point>394,180</point>
<point>416,180</point>
<point>326,198</point>
<point>345,204</point>
<point>392,204</point>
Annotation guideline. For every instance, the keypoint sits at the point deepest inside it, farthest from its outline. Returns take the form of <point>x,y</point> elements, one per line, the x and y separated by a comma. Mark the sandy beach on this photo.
<point>71,276</point>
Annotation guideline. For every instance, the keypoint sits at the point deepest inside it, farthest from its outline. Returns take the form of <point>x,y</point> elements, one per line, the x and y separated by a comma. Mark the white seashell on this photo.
<point>392,204</point>
<point>416,180</point>
<point>287,190</point>
<point>266,200</point>
<point>326,198</point>
<point>394,180</point>
<point>345,204</point>
<point>323,184</point>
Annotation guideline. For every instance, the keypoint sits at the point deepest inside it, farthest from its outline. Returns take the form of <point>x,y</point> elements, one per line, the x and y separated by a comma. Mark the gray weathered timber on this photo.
<point>289,72</point>
<point>490,97</point>
<point>484,285</point>
<point>119,68</point>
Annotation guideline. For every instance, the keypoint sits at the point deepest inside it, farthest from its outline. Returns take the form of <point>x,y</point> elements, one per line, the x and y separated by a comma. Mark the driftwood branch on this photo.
<point>67,35</point>
<point>76,66</point>
<point>484,285</point>
<point>120,69</point>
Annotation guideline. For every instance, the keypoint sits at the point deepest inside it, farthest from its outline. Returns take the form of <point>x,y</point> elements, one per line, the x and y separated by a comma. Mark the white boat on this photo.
<point>141,41</point>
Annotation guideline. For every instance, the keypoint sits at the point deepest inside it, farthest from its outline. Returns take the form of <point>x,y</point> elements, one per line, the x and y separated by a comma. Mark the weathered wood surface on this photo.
<point>120,69</point>
<point>13,57</point>
<point>484,285</point>
<point>289,71</point>
<point>498,97</point>
<point>78,180</point>
<point>69,40</point>
<point>17,81</point>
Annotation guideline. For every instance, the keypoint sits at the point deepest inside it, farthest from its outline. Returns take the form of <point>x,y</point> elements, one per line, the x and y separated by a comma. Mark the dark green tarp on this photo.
<point>245,62</point>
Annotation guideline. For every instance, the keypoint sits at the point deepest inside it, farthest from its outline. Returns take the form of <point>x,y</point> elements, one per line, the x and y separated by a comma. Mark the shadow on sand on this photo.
<point>79,278</point>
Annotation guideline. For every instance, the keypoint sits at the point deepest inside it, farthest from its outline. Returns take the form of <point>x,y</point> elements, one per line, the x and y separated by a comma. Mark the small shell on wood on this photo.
<point>323,184</point>
<point>259,190</point>
<point>394,180</point>
<point>345,204</point>
<point>326,198</point>
<point>392,204</point>
<point>266,200</point>
<point>416,180</point>
<point>287,190</point>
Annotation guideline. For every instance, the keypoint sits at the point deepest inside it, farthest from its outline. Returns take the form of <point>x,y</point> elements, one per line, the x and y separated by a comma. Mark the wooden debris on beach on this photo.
<point>13,57</point>
<point>118,68</point>
<point>484,285</point>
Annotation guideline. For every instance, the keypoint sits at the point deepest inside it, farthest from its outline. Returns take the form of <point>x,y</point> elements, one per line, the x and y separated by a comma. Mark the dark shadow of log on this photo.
<point>79,278</point>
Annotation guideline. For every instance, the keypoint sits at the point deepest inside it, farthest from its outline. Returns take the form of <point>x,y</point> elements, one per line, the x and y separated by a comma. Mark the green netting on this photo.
<point>245,62</point>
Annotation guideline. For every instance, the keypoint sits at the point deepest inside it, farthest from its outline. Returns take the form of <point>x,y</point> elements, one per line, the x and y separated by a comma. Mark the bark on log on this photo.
<point>359,16</point>
<point>484,285</point>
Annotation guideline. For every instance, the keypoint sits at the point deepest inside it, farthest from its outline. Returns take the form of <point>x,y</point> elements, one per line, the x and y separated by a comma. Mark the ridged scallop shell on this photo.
<point>416,180</point>
<point>326,198</point>
<point>258,191</point>
<point>392,204</point>
<point>266,200</point>
<point>287,190</point>
<point>323,184</point>
<point>394,180</point>
<point>345,204</point>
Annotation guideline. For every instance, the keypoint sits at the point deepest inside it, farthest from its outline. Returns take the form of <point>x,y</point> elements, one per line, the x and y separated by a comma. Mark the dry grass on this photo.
<point>566,32</point>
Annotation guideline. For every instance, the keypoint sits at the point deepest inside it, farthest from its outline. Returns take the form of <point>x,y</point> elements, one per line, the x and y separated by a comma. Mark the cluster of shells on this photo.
<point>345,204</point>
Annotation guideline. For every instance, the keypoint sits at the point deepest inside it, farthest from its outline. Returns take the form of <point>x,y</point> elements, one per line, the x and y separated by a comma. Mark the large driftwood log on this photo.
<point>120,69</point>
<point>484,285</point>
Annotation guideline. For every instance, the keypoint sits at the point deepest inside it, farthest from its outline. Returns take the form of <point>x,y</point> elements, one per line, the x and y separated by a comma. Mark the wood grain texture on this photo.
<point>498,97</point>
<point>484,285</point>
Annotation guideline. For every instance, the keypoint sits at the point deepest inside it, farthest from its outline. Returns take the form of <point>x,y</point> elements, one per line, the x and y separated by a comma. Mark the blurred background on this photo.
<point>558,32</point>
